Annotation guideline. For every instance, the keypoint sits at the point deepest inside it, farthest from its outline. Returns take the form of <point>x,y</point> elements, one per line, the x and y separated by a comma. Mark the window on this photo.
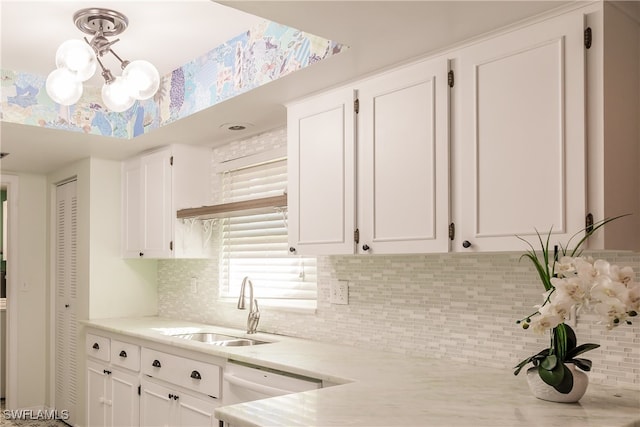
<point>257,246</point>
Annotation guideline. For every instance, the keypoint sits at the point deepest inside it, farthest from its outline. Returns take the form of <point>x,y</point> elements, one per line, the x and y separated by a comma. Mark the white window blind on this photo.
<point>256,245</point>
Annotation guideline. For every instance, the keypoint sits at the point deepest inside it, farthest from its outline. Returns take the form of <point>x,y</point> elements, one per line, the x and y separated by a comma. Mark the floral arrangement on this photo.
<point>573,282</point>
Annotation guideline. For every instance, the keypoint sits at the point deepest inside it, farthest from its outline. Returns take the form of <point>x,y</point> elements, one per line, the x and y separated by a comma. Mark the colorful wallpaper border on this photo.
<point>256,57</point>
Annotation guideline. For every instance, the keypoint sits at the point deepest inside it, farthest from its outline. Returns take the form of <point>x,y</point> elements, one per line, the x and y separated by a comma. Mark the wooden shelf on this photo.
<point>225,210</point>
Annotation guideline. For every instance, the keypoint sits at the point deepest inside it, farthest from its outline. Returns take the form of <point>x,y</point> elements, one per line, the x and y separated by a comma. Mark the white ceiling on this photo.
<point>380,34</point>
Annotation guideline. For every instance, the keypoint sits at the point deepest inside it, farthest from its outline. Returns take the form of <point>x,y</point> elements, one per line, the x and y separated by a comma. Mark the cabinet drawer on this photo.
<point>98,347</point>
<point>125,355</point>
<point>194,375</point>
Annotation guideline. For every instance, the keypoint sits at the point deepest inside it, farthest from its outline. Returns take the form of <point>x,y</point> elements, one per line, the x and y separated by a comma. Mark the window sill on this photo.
<point>292,306</point>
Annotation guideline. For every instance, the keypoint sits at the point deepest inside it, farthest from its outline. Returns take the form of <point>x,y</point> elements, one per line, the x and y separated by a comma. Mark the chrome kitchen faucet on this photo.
<point>254,313</point>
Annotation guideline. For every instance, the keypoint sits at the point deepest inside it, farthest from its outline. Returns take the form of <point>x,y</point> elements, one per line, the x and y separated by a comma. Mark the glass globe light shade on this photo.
<point>63,87</point>
<point>142,78</point>
<point>77,57</point>
<point>116,95</point>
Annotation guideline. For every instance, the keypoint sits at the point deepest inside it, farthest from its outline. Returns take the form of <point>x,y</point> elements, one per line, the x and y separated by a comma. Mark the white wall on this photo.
<point>32,294</point>
<point>119,288</point>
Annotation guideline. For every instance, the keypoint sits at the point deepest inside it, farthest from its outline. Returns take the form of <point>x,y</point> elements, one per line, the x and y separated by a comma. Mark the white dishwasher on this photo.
<point>244,383</point>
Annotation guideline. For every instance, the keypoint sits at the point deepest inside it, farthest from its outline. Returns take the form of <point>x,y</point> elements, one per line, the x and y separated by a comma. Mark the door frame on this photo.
<point>11,352</point>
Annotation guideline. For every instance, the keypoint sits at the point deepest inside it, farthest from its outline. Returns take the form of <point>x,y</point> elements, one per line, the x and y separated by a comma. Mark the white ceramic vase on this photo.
<point>544,391</point>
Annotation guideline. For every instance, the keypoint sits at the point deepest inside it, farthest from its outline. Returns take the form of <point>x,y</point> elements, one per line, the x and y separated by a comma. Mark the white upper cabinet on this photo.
<point>154,186</point>
<point>321,162</point>
<point>502,153</point>
<point>403,160</point>
<point>157,233</point>
<point>397,201</point>
<point>519,151</point>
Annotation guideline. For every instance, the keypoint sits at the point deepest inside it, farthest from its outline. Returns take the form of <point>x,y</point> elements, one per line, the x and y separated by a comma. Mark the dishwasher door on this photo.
<point>243,383</point>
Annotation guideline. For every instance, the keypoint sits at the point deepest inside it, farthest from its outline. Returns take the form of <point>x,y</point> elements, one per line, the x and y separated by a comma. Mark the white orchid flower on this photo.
<point>573,288</point>
<point>544,322</point>
<point>624,275</point>
<point>605,288</point>
<point>565,267</point>
<point>634,297</point>
<point>612,310</point>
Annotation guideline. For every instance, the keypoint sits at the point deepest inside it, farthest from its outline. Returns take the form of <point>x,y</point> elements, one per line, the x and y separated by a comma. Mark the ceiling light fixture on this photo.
<point>77,61</point>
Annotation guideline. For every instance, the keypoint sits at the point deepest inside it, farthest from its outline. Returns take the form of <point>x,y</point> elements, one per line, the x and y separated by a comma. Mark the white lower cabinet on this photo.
<point>178,391</point>
<point>112,396</point>
<point>130,385</point>
<point>112,382</point>
<point>166,405</point>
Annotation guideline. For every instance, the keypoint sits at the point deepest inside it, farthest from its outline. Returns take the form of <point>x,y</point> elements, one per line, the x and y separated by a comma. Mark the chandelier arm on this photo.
<point>123,63</point>
<point>106,73</point>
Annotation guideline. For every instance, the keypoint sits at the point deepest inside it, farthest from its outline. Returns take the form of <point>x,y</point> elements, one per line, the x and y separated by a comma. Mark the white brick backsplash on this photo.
<point>457,306</point>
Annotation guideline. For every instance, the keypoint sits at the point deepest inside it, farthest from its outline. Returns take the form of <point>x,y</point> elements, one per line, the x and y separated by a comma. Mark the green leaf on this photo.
<point>566,384</point>
<point>535,358</point>
<point>552,377</point>
<point>560,341</point>
<point>576,251</point>
<point>549,362</point>
<point>582,348</point>
<point>521,365</point>
<point>583,364</point>
<point>571,339</point>
<point>541,266</point>
<point>542,270</point>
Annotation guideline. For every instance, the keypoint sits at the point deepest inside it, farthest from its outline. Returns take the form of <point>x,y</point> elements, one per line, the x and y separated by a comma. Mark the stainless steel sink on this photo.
<point>219,339</point>
<point>241,342</point>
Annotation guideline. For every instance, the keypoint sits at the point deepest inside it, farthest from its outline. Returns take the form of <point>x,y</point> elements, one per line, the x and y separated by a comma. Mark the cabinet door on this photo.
<point>321,164</point>
<point>125,401</point>
<point>520,138</point>
<point>131,212</point>
<point>155,174</point>
<point>403,160</point>
<point>195,412</point>
<point>96,393</point>
<point>156,405</point>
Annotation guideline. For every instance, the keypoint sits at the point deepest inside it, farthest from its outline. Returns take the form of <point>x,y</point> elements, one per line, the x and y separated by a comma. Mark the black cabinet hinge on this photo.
<point>588,223</point>
<point>356,106</point>
<point>171,245</point>
<point>356,236</point>
<point>452,231</point>
<point>139,390</point>
<point>450,78</point>
<point>171,160</point>
<point>588,37</point>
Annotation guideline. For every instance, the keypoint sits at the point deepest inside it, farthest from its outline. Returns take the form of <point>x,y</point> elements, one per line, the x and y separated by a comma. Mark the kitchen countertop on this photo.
<point>386,389</point>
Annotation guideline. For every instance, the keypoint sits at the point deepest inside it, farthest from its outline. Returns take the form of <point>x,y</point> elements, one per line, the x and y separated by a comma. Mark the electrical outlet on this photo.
<point>194,285</point>
<point>339,292</point>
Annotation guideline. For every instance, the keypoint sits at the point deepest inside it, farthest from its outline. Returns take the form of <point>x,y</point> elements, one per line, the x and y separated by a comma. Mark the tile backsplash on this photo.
<point>457,306</point>
<point>461,307</point>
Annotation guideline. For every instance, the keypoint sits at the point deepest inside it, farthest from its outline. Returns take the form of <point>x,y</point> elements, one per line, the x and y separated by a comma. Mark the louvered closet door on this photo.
<point>66,294</point>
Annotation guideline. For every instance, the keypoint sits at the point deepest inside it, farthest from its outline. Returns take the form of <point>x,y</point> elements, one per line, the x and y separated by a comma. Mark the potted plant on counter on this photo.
<point>573,283</point>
